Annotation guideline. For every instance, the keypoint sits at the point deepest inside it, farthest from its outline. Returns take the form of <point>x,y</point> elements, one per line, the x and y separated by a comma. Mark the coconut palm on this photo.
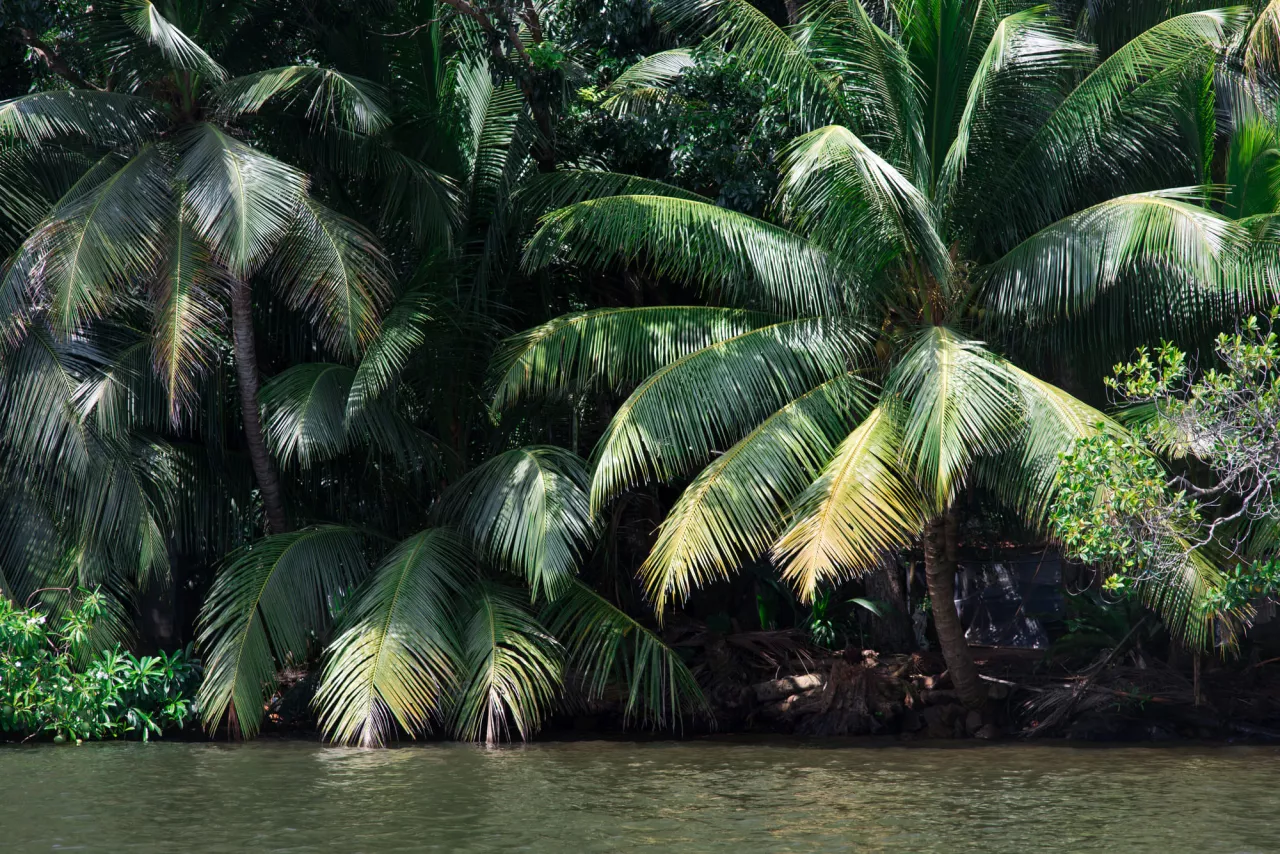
<point>962,172</point>
<point>463,613</point>
<point>149,183</point>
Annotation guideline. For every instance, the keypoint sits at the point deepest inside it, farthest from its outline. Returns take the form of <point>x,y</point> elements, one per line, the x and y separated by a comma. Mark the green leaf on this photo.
<point>145,20</point>
<point>342,100</point>
<point>396,658</point>
<point>261,612</point>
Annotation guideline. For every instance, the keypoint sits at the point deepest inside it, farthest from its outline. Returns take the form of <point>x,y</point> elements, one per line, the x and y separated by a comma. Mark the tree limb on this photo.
<point>56,64</point>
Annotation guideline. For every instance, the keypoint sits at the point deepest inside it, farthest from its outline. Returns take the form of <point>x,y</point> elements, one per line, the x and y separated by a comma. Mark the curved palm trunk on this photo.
<point>940,576</point>
<point>246,356</point>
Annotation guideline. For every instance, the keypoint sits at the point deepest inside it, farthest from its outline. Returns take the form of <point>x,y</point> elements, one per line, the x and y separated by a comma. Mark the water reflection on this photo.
<point>594,797</point>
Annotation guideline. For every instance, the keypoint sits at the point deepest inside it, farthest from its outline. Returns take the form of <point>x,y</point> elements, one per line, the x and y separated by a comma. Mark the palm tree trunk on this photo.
<point>246,356</point>
<point>940,575</point>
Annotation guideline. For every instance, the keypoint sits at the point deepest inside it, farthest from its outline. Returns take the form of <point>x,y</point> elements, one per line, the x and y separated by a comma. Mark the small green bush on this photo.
<point>48,686</point>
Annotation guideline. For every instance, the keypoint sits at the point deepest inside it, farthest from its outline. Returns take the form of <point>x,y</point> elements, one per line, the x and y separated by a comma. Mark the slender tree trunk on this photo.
<point>246,356</point>
<point>940,574</point>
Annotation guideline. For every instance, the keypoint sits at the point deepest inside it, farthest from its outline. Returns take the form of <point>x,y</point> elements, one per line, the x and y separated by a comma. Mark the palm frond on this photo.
<point>103,118</point>
<point>737,506</point>
<point>261,612</point>
<point>742,260</point>
<point>647,83</point>
<point>1253,170</point>
<point>854,202</point>
<point>1091,132</point>
<point>105,232</point>
<point>402,332</point>
<point>240,201</point>
<point>959,403</point>
<point>187,315</point>
<point>304,412</point>
<point>511,670</point>
<point>334,271</point>
<point>174,45</point>
<point>677,418</point>
<point>1262,46</point>
<point>812,96</point>
<point>861,506</point>
<point>608,348</point>
<point>1162,242</point>
<point>609,647</point>
<point>341,100</point>
<point>1017,83</point>
<point>527,511</point>
<point>553,190</point>
<point>396,658</point>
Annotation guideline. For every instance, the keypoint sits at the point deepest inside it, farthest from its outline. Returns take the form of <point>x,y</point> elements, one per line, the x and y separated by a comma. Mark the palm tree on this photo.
<point>476,622</point>
<point>960,171</point>
<point>148,183</point>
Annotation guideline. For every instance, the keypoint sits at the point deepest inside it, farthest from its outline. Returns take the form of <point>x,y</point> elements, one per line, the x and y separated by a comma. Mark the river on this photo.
<point>583,797</point>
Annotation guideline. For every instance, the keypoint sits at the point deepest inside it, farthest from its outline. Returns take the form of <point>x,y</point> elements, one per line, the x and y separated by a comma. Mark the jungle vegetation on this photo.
<point>449,349</point>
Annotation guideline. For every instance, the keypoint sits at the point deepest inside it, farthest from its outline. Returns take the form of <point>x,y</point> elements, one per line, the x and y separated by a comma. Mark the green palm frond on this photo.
<point>959,403</point>
<point>511,669</point>
<point>332,98</point>
<point>527,511</point>
<point>875,72</point>
<point>1025,477</point>
<point>1253,169</point>
<point>1017,83</point>
<point>106,231</point>
<point>851,200</point>
<point>103,118</point>
<point>861,507</point>
<point>608,348</point>
<point>1163,241</point>
<point>609,647</point>
<point>742,260</point>
<point>1181,600</point>
<point>737,506</point>
<point>1092,131</point>
<point>177,47</point>
<point>188,317</point>
<point>240,201</point>
<point>647,83</point>
<point>261,612</point>
<point>334,271</point>
<point>402,332</point>
<point>677,418</point>
<point>1262,47</point>
<point>812,96</point>
<point>396,658</point>
<point>304,412</point>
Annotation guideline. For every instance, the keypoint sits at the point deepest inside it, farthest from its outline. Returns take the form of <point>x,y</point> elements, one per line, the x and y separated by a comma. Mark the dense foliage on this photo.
<point>52,684</point>
<point>312,313</point>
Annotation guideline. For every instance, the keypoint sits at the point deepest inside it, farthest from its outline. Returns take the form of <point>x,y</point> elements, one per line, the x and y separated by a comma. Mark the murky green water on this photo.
<point>596,796</point>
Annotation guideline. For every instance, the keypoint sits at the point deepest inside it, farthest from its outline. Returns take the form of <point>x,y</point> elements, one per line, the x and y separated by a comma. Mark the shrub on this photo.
<point>50,686</point>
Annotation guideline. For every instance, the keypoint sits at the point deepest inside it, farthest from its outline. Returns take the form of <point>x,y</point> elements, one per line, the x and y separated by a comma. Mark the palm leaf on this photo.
<point>527,511</point>
<point>147,23</point>
<point>746,262</point>
<point>402,332</point>
<point>239,200</point>
<point>737,506</point>
<point>608,647</point>
<point>851,200</point>
<point>187,315</point>
<point>959,404</point>
<point>647,83</point>
<point>342,100</point>
<point>678,417</point>
<point>860,507</point>
<point>333,271</point>
<point>608,348</point>
<point>397,655</point>
<point>1159,240</point>
<point>103,118</point>
<point>511,670</point>
<point>261,612</point>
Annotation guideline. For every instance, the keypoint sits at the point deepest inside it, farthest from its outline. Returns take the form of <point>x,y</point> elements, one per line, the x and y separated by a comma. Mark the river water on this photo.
<point>581,797</point>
